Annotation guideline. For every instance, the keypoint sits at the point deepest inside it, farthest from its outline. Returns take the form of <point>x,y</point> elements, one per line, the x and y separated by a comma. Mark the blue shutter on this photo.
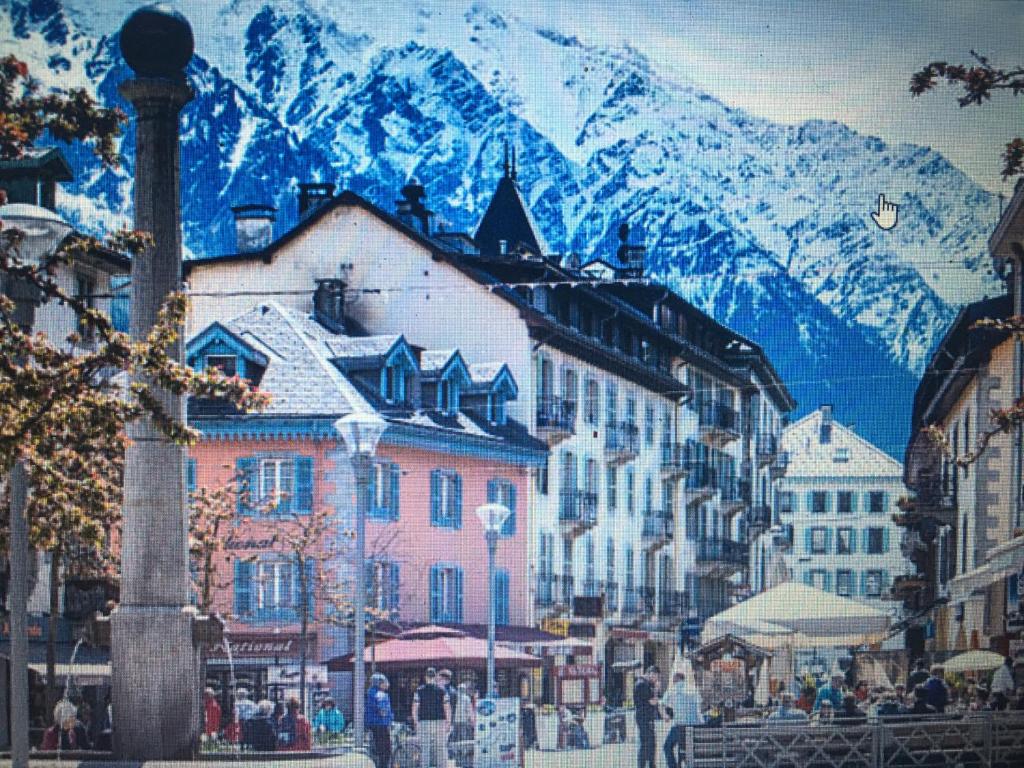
<point>808,540</point>
<point>492,491</point>
<point>303,485</point>
<point>828,539</point>
<point>864,582</point>
<point>884,582</point>
<point>243,587</point>
<point>501,608</point>
<point>810,501</point>
<point>435,497</point>
<point>867,540</point>
<point>808,578</point>
<point>190,476</point>
<point>435,594</point>
<point>510,523</point>
<point>394,473</point>
<point>828,502</point>
<point>885,540</point>
<point>457,618</point>
<point>457,487</point>
<point>853,545</point>
<point>885,502</point>
<point>374,511</point>
<point>853,502</point>
<point>245,470</point>
<point>827,585</point>
<point>394,581</point>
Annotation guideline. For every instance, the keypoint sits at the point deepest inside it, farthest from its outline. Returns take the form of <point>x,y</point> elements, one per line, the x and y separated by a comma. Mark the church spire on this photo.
<point>514,172</point>
<point>505,167</point>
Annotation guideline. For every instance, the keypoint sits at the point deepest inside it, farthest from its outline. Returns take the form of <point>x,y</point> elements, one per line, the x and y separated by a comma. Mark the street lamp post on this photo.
<point>361,432</point>
<point>42,231</point>
<point>492,517</point>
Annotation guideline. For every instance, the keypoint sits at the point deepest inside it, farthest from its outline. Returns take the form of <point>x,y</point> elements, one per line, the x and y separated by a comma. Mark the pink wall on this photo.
<point>411,540</point>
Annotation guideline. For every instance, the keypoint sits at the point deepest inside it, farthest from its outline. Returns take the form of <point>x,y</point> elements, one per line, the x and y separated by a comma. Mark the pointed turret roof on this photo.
<point>507,218</point>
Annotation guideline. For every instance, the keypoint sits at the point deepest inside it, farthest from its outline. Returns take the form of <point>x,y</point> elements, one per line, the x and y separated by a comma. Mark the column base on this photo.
<point>157,685</point>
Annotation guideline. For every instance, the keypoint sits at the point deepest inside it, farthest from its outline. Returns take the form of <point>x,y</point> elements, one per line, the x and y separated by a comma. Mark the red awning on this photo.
<point>450,650</point>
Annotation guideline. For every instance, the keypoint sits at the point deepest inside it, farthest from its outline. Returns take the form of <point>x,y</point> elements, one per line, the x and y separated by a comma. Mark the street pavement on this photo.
<point>621,755</point>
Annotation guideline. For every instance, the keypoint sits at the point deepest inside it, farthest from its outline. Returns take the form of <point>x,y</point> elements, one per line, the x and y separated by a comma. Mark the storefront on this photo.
<point>623,658</point>
<point>577,685</point>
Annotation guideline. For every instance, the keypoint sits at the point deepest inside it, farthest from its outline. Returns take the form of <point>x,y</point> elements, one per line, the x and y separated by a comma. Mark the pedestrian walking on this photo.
<point>211,713</point>
<point>431,714</point>
<point>379,718</point>
<point>1003,684</point>
<point>682,705</point>
<point>645,703</point>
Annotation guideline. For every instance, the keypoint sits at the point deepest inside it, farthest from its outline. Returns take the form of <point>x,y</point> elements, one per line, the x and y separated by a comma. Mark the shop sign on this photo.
<point>728,666</point>
<point>497,734</point>
<point>289,674</point>
<point>582,630</point>
<point>558,627</point>
<point>622,633</point>
<point>577,670</point>
<point>235,544</point>
<point>253,646</point>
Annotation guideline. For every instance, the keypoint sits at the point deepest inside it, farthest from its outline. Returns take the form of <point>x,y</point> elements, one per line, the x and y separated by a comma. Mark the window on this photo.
<point>611,403</point>
<point>785,502</point>
<point>649,425</point>
<point>873,583</point>
<point>448,397</point>
<point>497,412</point>
<point>225,364</point>
<point>569,393</point>
<point>501,595</point>
<point>648,496</point>
<point>393,384</point>
<point>611,487</point>
<point>844,502</point>
<point>844,583</point>
<point>819,502</point>
<point>591,402</point>
<point>276,485</point>
<point>270,588</point>
<point>382,585</point>
<point>841,455</point>
<point>845,541</point>
<point>630,490</point>
<point>875,539</point>
<point>384,481</point>
<point>609,561</point>
<point>445,499</point>
<point>818,579</point>
<point>631,411</point>
<point>502,491</point>
<point>817,540</point>
<point>542,480</point>
<point>589,568</point>
<point>445,594</point>
<point>876,502</point>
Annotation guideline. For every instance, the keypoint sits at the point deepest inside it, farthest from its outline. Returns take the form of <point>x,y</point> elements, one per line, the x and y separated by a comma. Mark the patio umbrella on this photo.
<point>451,649</point>
<point>973,661</point>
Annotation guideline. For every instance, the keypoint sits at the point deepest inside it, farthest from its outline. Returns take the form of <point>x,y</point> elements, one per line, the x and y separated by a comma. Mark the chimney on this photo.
<point>312,195</point>
<point>254,227</point>
<point>329,303</point>
<point>411,209</point>
<point>825,432</point>
<point>630,257</point>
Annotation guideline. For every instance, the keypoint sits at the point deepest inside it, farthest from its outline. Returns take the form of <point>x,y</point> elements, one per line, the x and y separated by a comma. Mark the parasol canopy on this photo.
<point>973,661</point>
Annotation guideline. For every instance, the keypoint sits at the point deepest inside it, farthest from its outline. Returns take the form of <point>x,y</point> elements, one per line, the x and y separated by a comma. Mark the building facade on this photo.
<point>449,448</point>
<point>835,507</point>
<point>660,422</point>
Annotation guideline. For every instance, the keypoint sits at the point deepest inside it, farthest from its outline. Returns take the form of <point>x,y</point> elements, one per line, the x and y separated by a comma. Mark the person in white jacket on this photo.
<point>682,700</point>
<point>1003,684</point>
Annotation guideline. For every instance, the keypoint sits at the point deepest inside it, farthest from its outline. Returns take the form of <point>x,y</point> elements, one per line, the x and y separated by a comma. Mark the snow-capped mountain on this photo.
<point>766,227</point>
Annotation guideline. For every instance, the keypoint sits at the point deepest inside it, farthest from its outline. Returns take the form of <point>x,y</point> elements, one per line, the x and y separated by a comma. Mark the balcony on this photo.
<point>556,419</point>
<point>621,442</point>
<point>658,529</point>
<point>611,597</point>
<point>719,424</point>
<point>648,604</point>
<point>630,601</point>
<point>577,512</point>
<point>700,477</point>
<point>566,591</point>
<point>673,460</point>
<point>760,517</point>
<point>767,448</point>
<point>735,494</point>
<point>591,588</point>
<point>779,465</point>
<point>672,604</point>
<point>720,557</point>
<point>545,590</point>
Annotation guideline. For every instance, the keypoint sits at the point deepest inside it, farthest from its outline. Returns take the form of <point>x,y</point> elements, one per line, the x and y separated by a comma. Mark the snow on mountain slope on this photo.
<point>742,215</point>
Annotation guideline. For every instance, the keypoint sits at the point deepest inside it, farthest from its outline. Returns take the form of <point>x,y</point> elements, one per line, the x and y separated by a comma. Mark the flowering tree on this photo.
<point>63,413</point>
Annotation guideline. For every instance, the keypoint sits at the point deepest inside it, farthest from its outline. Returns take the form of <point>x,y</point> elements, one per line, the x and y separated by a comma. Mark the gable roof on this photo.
<point>809,458</point>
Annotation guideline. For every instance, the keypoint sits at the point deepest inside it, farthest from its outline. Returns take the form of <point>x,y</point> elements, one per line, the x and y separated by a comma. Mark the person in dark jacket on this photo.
<point>938,693</point>
<point>921,705</point>
<point>647,712</point>
<point>379,718</point>
<point>262,730</point>
<point>849,713</point>
<point>67,733</point>
<point>294,733</point>
<point>918,676</point>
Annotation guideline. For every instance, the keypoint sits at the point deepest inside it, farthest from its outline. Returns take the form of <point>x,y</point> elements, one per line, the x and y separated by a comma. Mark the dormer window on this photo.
<point>227,365</point>
<point>393,383</point>
<point>496,410</point>
<point>448,396</point>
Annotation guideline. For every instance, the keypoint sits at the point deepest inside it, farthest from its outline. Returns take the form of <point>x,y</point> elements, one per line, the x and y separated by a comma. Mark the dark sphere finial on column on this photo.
<point>157,41</point>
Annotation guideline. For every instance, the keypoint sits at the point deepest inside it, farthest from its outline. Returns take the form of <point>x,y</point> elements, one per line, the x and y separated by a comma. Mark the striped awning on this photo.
<point>1001,561</point>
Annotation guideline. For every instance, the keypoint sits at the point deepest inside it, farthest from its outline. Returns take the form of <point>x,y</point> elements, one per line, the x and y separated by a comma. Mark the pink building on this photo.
<point>448,449</point>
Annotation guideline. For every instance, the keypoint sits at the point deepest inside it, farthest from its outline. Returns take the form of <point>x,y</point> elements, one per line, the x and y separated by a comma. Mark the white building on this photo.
<point>835,508</point>
<point>660,421</point>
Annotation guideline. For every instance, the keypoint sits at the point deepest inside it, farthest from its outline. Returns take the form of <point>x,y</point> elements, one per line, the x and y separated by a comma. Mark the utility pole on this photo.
<point>155,653</point>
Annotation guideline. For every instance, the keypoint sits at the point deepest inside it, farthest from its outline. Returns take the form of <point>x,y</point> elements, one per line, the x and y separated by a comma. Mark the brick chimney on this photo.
<point>329,303</point>
<point>825,431</point>
<point>254,227</point>
<point>411,209</point>
<point>312,195</point>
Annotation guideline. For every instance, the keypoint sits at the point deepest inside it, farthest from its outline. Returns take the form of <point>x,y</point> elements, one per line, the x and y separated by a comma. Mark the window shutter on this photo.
<point>885,540</point>
<point>492,491</point>
<point>457,488</point>
<point>884,581</point>
<point>245,469</point>
<point>828,503</point>
<point>864,582</point>
<point>243,587</point>
<point>375,509</point>
<point>457,618</point>
<point>394,582</point>
<point>303,485</point>
<point>510,524</point>
<point>867,540</point>
<point>435,594</point>
<point>190,476</point>
<point>853,543</point>
<point>828,539</point>
<point>808,540</point>
<point>810,501</point>
<point>435,497</point>
<point>393,498</point>
<point>885,502</point>
<point>853,502</point>
<point>808,578</point>
<point>501,609</point>
<point>827,582</point>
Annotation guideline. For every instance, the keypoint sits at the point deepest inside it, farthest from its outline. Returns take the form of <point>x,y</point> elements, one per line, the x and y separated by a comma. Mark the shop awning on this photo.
<point>1002,561</point>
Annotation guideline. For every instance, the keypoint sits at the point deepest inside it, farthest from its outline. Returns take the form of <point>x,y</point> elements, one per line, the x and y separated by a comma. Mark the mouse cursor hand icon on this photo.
<point>885,216</point>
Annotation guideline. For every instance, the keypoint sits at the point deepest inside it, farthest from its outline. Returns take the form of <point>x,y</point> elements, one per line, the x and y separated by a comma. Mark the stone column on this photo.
<point>155,659</point>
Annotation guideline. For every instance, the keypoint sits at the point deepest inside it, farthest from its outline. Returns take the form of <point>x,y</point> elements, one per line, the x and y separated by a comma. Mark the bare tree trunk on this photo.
<point>303,631</point>
<point>51,640</point>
